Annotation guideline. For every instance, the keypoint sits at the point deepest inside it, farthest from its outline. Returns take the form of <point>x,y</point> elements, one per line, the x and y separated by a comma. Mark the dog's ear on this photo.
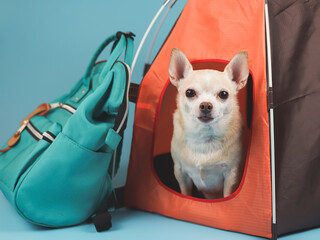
<point>238,69</point>
<point>179,67</point>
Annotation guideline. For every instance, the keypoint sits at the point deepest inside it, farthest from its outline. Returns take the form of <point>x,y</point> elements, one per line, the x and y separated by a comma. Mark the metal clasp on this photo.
<point>22,127</point>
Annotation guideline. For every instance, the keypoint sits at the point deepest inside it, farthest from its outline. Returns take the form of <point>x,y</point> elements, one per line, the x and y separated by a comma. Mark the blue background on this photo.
<point>45,47</point>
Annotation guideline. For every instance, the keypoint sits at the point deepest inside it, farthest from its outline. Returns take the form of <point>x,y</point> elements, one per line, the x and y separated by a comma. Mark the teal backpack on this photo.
<point>56,170</point>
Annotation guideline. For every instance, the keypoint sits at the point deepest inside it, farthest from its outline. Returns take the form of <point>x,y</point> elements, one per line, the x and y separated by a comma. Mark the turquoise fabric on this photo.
<point>63,182</point>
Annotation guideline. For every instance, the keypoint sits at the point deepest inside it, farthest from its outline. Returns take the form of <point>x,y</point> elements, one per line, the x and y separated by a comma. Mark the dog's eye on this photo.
<point>223,95</point>
<point>190,93</point>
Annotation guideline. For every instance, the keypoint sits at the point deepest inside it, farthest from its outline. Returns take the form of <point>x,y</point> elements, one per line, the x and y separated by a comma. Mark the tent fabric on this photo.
<point>207,31</point>
<point>295,38</point>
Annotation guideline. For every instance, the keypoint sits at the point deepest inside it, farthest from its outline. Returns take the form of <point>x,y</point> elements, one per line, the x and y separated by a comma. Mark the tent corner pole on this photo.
<point>271,126</point>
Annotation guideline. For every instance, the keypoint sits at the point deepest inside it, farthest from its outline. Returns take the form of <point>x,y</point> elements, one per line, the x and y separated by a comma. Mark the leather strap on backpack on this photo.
<point>40,111</point>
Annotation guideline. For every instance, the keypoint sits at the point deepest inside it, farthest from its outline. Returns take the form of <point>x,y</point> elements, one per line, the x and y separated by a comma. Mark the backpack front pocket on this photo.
<point>64,185</point>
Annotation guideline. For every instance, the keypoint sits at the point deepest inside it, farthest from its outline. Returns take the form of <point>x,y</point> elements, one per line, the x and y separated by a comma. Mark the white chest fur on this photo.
<point>206,156</point>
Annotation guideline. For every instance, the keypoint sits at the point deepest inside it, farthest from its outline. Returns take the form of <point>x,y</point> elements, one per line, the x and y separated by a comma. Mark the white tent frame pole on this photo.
<point>147,32</point>
<point>271,118</point>
<point>157,31</point>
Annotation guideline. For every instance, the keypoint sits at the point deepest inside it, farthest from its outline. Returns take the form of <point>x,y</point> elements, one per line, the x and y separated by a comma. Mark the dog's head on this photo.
<point>207,96</point>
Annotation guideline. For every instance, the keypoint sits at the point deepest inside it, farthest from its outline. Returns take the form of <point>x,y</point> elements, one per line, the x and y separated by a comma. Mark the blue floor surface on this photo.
<point>127,224</point>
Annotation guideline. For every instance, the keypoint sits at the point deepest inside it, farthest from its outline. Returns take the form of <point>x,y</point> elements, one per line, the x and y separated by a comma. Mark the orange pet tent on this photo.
<point>210,33</point>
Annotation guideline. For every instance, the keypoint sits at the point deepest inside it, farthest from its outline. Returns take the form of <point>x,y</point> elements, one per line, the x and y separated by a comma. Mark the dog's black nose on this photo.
<point>205,107</point>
